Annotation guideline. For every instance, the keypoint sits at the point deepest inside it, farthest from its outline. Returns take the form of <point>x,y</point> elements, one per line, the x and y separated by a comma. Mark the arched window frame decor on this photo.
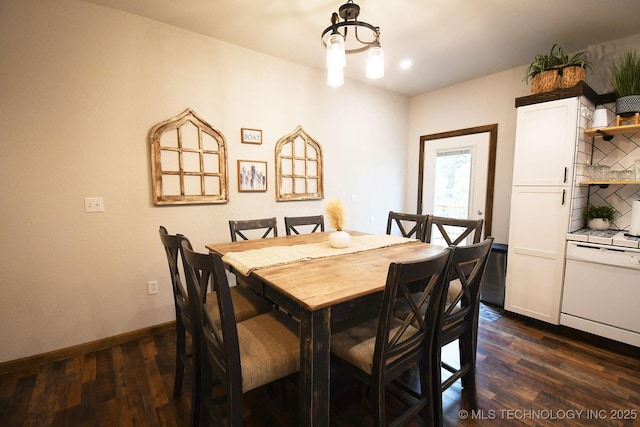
<point>298,168</point>
<point>208,171</point>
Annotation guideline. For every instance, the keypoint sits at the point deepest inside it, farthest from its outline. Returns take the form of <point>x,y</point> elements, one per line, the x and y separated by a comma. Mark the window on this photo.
<point>188,162</point>
<point>298,167</point>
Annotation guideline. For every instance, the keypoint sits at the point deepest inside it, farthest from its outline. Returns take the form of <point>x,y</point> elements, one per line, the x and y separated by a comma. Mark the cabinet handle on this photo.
<point>566,170</point>
<point>564,192</point>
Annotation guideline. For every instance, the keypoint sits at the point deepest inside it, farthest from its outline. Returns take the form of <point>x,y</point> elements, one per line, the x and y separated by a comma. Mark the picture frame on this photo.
<point>252,176</point>
<point>251,136</point>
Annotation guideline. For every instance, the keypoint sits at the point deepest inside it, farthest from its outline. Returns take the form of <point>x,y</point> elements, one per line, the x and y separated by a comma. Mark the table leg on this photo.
<point>315,333</point>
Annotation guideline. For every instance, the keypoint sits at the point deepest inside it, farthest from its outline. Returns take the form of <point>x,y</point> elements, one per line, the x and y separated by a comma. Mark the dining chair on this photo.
<point>233,358</point>
<point>459,321</point>
<point>237,227</point>
<point>380,350</point>
<point>453,230</point>
<point>246,305</point>
<point>171,243</point>
<point>311,223</point>
<point>405,220</point>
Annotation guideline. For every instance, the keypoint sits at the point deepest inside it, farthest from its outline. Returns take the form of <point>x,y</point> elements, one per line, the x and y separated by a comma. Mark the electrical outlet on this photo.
<point>152,287</point>
<point>93,204</point>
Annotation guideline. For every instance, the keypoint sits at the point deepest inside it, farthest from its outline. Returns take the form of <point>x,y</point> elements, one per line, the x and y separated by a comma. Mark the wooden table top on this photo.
<point>322,282</point>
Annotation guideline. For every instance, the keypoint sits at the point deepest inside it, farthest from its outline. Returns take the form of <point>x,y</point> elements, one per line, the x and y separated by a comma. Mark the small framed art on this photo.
<point>252,176</point>
<point>251,136</point>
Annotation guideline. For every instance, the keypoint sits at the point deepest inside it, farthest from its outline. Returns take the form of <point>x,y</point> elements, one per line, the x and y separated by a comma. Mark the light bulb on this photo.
<point>335,77</point>
<point>375,62</point>
<point>336,57</point>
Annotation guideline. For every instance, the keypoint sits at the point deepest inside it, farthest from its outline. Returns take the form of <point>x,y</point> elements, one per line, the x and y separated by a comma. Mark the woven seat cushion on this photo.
<point>269,349</point>
<point>455,287</point>
<point>356,345</point>
<point>246,304</point>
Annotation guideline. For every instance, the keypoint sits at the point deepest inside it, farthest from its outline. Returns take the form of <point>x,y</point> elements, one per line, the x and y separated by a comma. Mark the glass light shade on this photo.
<point>375,62</point>
<point>335,77</point>
<point>336,57</point>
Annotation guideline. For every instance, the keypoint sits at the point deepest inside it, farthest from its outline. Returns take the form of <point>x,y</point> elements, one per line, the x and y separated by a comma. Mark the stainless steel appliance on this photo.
<point>601,292</point>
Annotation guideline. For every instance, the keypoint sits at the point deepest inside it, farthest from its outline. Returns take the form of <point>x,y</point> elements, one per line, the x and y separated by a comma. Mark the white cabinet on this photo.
<point>545,143</point>
<point>542,182</point>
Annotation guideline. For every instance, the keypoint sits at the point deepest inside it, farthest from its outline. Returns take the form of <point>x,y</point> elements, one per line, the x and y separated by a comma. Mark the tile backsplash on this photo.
<point>619,154</point>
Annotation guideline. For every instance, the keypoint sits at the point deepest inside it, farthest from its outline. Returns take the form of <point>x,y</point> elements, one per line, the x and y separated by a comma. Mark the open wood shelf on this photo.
<point>612,130</point>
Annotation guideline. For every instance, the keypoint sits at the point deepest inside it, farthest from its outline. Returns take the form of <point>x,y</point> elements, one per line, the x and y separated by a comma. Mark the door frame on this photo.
<point>492,129</point>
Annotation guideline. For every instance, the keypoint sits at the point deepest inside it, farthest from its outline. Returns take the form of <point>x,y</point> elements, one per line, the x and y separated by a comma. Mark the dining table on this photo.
<point>326,289</point>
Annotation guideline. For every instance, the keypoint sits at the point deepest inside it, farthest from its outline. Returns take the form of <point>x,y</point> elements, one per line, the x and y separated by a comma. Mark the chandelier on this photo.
<point>334,38</point>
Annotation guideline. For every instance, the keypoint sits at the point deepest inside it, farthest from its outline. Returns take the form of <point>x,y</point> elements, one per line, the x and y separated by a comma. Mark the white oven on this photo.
<point>602,291</point>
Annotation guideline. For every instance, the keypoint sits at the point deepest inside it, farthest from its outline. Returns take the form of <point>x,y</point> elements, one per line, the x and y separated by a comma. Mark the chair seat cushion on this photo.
<point>246,304</point>
<point>269,349</point>
<point>455,287</point>
<point>357,344</point>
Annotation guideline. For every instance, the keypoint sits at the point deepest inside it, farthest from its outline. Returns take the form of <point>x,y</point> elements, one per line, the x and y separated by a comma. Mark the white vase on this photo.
<point>598,224</point>
<point>339,239</point>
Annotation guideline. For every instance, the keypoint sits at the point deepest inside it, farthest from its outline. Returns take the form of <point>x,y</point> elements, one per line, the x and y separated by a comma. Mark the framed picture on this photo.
<point>251,136</point>
<point>252,176</point>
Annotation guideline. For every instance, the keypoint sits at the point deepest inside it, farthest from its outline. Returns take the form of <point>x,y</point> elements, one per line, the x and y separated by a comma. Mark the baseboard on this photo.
<point>80,349</point>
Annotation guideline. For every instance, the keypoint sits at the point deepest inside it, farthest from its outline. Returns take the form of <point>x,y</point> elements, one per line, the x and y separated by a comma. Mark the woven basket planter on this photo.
<point>557,78</point>
<point>545,81</point>
<point>571,75</point>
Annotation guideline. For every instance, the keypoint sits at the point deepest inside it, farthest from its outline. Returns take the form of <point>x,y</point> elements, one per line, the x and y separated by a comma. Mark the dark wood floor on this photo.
<point>527,375</point>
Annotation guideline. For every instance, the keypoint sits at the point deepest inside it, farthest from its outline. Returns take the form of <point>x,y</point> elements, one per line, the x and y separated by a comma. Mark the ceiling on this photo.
<point>448,41</point>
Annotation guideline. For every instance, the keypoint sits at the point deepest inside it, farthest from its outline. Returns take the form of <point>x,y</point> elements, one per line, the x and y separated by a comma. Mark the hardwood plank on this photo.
<point>527,373</point>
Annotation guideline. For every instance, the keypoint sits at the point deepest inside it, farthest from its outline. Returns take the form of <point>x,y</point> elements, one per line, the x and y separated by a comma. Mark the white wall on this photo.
<point>81,87</point>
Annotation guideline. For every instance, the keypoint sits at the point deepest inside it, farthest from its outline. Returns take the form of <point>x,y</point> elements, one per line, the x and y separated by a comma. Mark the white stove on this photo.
<point>605,237</point>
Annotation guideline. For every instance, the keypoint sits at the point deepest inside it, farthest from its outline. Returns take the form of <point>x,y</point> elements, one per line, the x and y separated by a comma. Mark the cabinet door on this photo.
<point>535,262</point>
<point>546,135</point>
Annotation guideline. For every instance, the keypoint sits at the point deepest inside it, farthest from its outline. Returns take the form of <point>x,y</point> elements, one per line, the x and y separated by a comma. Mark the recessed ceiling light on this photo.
<point>405,64</point>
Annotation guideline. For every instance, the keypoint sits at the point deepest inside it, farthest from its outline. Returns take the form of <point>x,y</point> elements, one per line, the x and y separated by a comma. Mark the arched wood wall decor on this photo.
<point>188,162</point>
<point>298,167</point>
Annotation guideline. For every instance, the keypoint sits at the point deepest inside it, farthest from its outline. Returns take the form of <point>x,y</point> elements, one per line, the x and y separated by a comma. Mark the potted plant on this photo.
<point>625,79</point>
<point>599,217</point>
<point>556,70</point>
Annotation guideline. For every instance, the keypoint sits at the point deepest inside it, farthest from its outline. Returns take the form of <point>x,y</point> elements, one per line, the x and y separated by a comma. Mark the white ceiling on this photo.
<point>449,41</point>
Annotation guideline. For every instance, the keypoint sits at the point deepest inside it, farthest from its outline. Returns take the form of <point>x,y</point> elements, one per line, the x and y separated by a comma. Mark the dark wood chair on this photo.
<point>410,225</point>
<point>246,305</point>
<point>233,358</point>
<point>380,350</point>
<point>311,223</point>
<point>459,321</point>
<point>453,230</point>
<point>171,243</point>
<point>268,224</point>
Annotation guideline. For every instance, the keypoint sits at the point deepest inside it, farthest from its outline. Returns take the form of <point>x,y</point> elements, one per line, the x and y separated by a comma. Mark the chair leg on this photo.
<point>426,389</point>
<point>436,387</point>
<point>378,405</point>
<point>468,358</point>
<point>180,357</point>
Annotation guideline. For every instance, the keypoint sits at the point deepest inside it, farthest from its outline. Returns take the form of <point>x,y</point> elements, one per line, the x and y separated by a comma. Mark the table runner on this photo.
<point>247,261</point>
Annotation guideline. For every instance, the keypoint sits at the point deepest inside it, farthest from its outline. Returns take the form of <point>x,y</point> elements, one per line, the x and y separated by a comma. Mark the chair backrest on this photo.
<point>315,223</point>
<point>453,230</point>
<point>218,347</point>
<point>467,266</point>
<point>420,286</point>
<point>236,227</point>
<point>171,243</point>
<point>410,225</point>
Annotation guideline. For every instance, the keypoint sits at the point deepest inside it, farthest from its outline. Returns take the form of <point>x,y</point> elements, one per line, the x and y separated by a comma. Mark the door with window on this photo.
<point>457,174</point>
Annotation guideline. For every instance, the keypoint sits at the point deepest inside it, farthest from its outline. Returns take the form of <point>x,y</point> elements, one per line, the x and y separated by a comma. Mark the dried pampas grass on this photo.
<point>335,214</point>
